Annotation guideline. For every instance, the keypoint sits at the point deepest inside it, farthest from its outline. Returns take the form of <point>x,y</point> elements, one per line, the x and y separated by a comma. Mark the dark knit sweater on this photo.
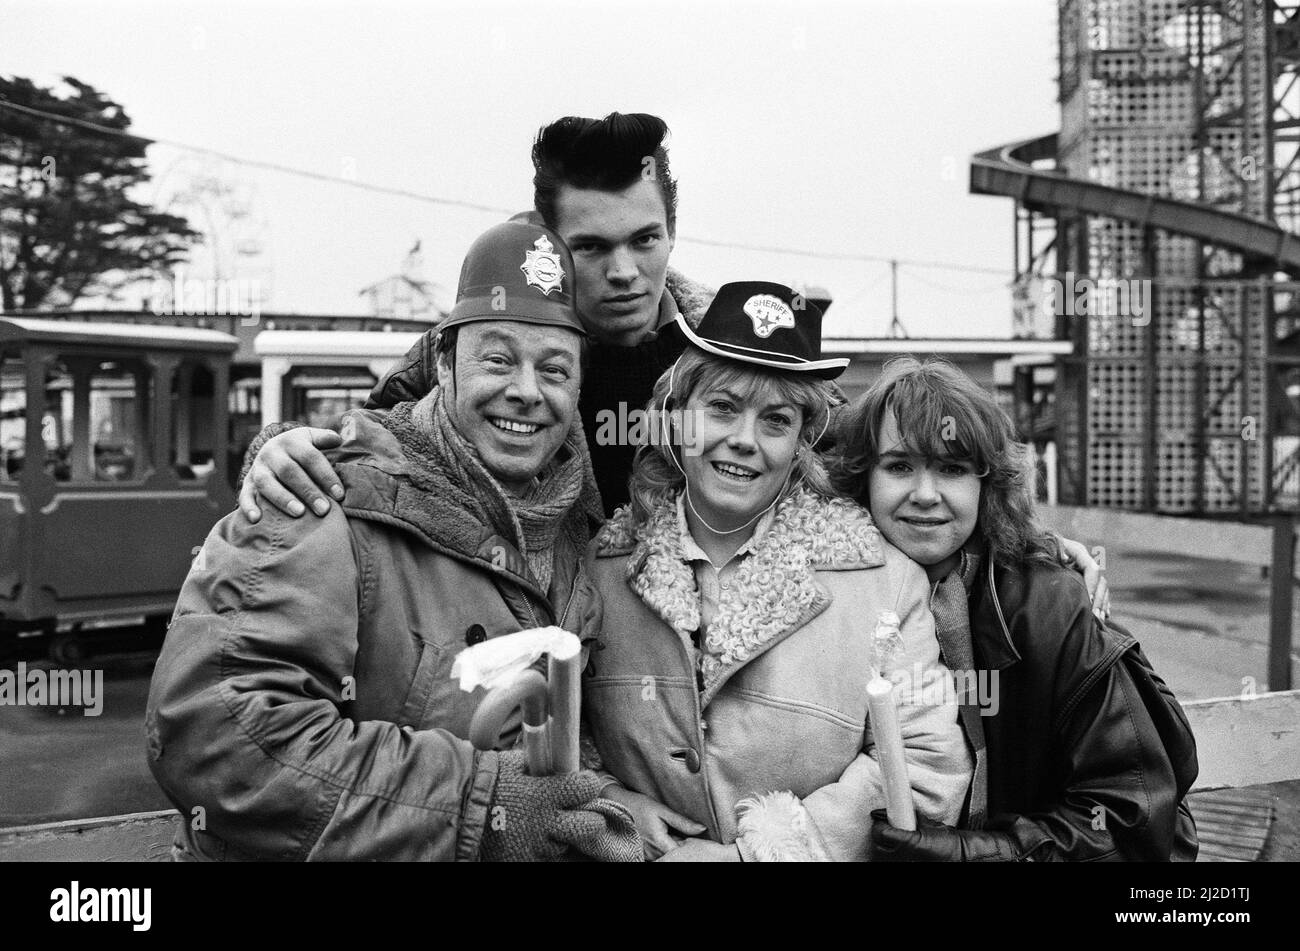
<point>620,377</point>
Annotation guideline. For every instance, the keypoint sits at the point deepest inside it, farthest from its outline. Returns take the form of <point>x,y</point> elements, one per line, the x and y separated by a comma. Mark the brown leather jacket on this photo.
<point>1086,757</point>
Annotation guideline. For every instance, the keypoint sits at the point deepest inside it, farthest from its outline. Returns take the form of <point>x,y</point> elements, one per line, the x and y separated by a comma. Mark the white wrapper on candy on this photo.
<point>503,666</point>
<point>499,660</point>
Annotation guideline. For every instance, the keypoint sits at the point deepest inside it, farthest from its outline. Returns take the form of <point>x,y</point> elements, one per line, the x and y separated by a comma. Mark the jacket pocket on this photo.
<point>436,702</point>
<point>433,664</point>
<point>799,706</point>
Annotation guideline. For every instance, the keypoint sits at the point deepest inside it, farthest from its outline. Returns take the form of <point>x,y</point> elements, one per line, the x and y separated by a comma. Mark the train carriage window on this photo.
<point>56,422</point>
<point>13,416</point>
<point>319,396</point>
<point>96,419</point>
<point>324,407</point>
<point>193,435</point>
<point>118,421</point>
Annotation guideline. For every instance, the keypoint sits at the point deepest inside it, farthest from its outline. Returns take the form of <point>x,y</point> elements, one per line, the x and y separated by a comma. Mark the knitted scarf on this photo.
<point>949,603</point>
<point>530,522</point>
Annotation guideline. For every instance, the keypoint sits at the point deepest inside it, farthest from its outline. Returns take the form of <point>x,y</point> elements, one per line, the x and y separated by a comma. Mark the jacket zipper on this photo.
<point>568,606</point>
<point>528,603</point>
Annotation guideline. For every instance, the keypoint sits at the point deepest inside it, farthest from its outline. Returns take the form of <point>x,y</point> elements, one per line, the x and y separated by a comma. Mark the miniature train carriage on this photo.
<point>113,467</point>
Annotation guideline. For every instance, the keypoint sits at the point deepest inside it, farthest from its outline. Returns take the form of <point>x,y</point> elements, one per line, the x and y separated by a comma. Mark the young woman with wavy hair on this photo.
<point>1064,713</point>
<point>728,697</point>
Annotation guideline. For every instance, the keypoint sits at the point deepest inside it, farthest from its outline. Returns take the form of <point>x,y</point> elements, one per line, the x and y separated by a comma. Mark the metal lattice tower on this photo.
<point>1177,164</point>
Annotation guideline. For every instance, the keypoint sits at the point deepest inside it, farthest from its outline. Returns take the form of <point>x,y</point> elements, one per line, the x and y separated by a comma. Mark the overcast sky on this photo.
<point>835,127</point>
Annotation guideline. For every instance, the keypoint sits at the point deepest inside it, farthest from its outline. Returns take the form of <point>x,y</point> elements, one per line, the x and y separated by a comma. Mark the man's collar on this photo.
<point>668,312</point>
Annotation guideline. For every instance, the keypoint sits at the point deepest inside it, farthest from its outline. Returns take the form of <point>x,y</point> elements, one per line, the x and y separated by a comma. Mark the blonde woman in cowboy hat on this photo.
<point>728,701</point>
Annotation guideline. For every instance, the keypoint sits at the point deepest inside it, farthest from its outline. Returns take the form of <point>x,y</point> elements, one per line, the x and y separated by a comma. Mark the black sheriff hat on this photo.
<point>767,324</point>
<point>516,271</point>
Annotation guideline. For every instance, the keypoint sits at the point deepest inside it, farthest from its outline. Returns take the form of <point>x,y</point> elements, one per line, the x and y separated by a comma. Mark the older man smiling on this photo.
<point>303,705</point>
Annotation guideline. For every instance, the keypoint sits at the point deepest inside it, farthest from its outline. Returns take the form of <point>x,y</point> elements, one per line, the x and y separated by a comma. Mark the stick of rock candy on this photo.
<point>883,710</point>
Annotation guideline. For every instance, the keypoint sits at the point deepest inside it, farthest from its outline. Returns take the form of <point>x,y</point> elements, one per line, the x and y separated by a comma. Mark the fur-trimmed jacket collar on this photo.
<point>774,591</point>
<point>691,297</point>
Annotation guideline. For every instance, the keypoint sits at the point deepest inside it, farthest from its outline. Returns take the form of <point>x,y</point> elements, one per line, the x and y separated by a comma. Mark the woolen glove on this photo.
<point>934,842</point>
<point>539,818</point>
<point>601,830</point>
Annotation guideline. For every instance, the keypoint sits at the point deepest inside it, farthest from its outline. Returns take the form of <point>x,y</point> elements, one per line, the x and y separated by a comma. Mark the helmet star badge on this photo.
<point>542,266</point>
<point>768,312</point>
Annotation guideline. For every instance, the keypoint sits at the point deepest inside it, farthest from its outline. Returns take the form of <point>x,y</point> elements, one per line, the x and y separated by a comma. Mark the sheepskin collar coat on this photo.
<point>760,731</point>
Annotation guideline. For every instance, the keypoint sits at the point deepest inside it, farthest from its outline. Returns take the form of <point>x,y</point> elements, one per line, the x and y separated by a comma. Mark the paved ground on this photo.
<point>65,765</point>
<point>1204,624</point>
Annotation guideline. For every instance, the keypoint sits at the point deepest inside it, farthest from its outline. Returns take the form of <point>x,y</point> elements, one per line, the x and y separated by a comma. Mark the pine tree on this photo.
<point>69,226</point>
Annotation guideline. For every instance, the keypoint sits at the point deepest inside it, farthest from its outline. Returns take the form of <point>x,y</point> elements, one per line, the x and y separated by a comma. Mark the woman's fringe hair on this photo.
<point>657,478</point>
<point>942,413</point>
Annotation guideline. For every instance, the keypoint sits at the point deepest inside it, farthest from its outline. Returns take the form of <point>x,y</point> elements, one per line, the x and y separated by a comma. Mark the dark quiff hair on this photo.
<point>929,401</point>
<point>608,154</point>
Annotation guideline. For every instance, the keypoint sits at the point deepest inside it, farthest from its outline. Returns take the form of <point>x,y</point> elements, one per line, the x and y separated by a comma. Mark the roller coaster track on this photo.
<point>1009,171</point>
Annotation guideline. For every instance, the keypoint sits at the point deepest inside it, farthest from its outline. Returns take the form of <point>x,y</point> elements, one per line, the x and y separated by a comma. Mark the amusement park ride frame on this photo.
<point>1178,164</point>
